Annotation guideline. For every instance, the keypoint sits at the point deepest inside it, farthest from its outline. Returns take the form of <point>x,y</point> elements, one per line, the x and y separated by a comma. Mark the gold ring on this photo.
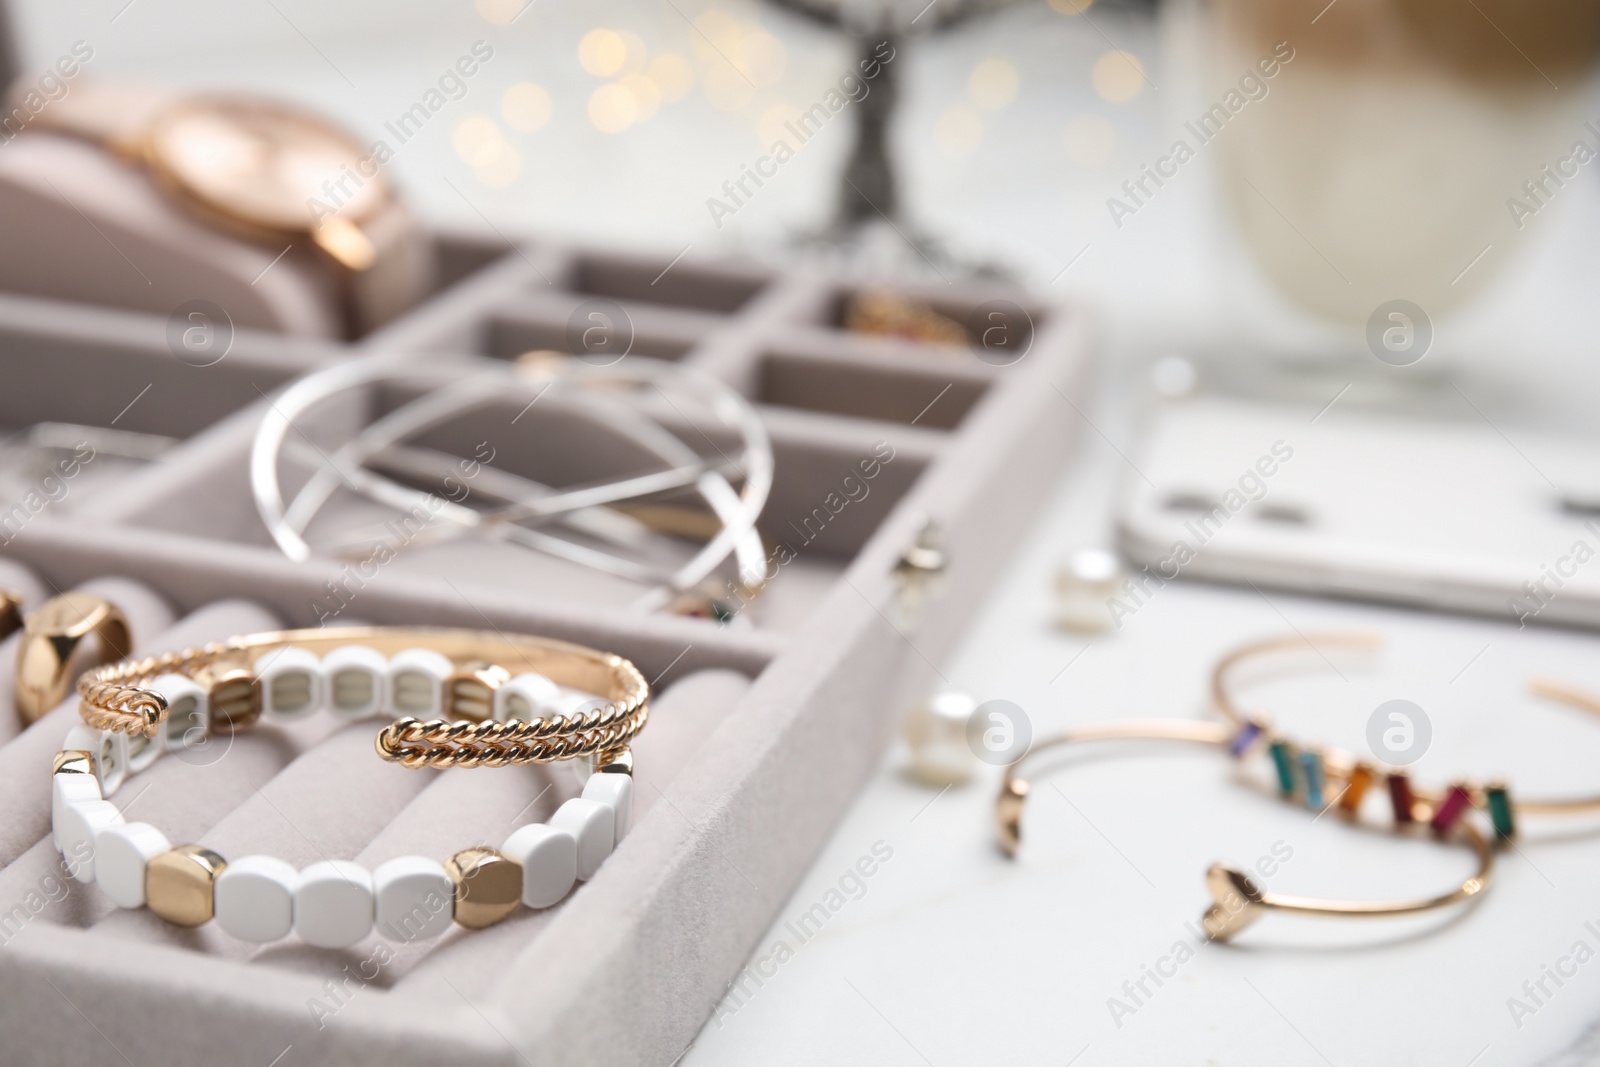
<point>10,613</point>
<point>51,653</point>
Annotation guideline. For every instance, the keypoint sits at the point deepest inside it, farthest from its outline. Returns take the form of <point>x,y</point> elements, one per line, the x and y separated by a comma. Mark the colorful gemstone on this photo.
<point>1283,758</point>
<point>1244,739</point>
<point>1505,825</point>
<point>1355,788</point>
<point>1451,808</point>
<point>1311,765</point>
<point>1400,797</point>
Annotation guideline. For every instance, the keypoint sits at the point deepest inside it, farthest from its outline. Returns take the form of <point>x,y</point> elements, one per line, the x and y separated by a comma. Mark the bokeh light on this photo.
<point>603,52</point>
<point>1090,139</point>
<point>499,12</point>
<point>635,55</point>
<point>993,84</point>
<point>477,140</point>
<point>525,107</point>
<point>673,75</point>
<point>480,144</point>
<point>646,96</point>
<point>742,49</point>
<point>726,88</point>
<point>770,129</point>
<point>762,57</point>
<point>502,170</point>
<point>958,131</point>
<point>612,108</point>
<point>1118,77</point>
<point>719,35</point>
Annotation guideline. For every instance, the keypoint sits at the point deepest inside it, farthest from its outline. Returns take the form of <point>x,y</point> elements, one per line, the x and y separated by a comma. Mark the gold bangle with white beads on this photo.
<point>511,699</point>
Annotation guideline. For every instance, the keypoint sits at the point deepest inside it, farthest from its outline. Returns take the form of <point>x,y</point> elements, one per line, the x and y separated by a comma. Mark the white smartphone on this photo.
<point>1455,516</point>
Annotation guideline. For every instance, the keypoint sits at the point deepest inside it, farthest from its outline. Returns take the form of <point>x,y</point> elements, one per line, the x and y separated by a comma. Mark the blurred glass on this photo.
<point>1397,137</point>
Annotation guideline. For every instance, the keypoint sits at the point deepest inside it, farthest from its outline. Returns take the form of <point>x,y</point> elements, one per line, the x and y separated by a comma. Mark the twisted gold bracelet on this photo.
<point>1237,901</point>
<point>495,718</point>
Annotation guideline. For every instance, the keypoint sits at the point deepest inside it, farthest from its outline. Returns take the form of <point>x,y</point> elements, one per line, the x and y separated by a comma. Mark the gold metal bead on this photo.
<point>73,761</point>
<point>488,886</point>
<point>51,651</point>
<point>234,694</point>
<point>616,761</point>
<point>469,692</point>
<point>179,885</point>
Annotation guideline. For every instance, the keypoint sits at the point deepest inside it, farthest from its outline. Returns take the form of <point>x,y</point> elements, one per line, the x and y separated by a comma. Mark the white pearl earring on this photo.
<point>936,730</point>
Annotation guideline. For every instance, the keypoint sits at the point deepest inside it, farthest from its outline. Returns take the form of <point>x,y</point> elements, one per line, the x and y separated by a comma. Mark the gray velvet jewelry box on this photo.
<point>761,733</point>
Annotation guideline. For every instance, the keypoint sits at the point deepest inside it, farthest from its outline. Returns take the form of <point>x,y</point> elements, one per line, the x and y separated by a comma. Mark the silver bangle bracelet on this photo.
<point>616,399</point>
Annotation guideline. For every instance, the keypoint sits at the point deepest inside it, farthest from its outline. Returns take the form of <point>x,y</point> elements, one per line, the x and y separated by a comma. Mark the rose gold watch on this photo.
<point>268,172</point>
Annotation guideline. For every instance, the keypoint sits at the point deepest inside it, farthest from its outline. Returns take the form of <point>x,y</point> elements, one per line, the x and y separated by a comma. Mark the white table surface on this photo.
<point>954,954</point>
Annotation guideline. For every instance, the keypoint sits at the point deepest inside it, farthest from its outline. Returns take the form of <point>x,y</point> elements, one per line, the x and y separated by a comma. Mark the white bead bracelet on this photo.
<point>135,710</point>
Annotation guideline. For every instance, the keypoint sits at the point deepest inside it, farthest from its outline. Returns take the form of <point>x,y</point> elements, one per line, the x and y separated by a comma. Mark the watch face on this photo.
<point>265,164</point>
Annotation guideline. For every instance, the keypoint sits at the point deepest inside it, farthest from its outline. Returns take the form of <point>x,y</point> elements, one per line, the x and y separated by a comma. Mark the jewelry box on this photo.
<point>761,731</point>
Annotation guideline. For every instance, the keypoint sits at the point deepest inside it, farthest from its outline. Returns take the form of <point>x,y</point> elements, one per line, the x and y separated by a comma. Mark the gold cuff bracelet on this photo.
<point>475,711</point>
<point>1237,901</point>
<point>1493,796</point>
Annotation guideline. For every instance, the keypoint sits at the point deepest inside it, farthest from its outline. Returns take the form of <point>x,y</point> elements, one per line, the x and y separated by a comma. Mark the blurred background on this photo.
<point>1377,164</point>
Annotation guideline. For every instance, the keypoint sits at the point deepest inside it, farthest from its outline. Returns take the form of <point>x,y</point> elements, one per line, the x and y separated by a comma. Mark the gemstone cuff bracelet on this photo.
<point>1237,901</point>
<point>1306,769</point>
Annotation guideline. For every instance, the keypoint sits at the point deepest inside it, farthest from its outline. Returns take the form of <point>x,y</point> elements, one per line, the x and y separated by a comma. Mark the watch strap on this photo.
<point>113,115</point>
<point>401,274</point>
<point>401,271</point>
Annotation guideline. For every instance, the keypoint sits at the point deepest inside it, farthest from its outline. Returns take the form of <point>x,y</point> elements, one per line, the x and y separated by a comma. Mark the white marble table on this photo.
<point>953,954</point>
